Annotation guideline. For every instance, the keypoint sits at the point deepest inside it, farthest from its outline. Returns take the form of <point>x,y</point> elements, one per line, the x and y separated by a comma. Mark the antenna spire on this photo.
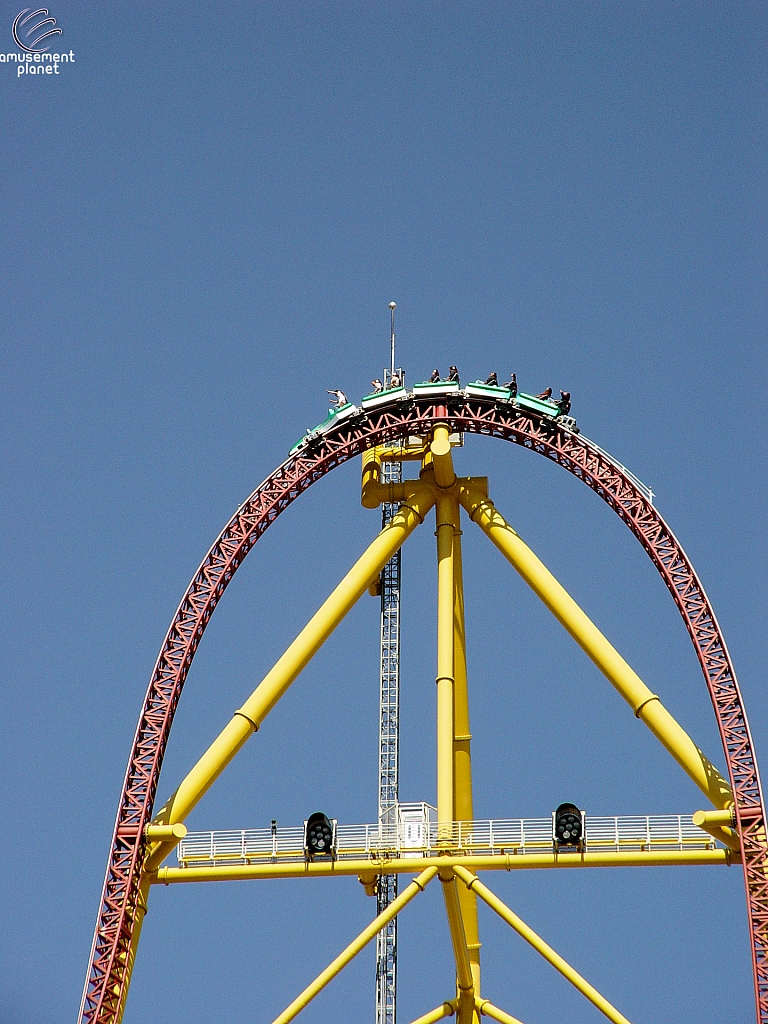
<point>392,307</point>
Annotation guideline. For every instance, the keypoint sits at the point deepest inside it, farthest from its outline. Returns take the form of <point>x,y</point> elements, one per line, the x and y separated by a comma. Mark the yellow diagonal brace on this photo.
<point>540,946</point>
<point>341,961</point>
<point>486,1007</point>
<point>645,704</point>
<point>248,719</point>
<point>439,1012</point>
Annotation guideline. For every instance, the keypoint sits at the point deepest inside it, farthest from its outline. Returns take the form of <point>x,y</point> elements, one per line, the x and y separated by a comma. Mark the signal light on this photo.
<point>568,826</point>
<point>319,836</point>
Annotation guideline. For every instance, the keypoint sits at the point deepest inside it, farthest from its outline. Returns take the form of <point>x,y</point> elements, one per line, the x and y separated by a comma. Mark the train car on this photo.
<point>384,397</point>
<point>546,407</point>
<point>334,417</point>
<point>448,390</point>
<point>533,404</point>
<point>442,389</point>
<point>479,389</point>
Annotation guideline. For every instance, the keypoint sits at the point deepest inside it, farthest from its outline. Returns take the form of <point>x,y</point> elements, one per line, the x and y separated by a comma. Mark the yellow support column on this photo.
<point>248,719</point>
<point>438,465</point>
<point>445,531</point>
<point>646,705</point>
<point>462,760</point>
<point>442,463</point>
<point>454,774</point>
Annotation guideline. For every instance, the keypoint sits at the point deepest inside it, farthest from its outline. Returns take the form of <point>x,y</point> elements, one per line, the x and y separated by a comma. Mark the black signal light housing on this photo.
<point>568,831</point>
<point>319,836</point>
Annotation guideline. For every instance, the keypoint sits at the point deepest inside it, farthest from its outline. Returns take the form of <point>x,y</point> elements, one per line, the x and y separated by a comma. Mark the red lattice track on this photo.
<point>106,977</point>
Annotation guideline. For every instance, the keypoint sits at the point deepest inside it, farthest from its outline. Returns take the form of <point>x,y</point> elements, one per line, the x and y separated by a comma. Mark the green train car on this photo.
<point>451,391</point>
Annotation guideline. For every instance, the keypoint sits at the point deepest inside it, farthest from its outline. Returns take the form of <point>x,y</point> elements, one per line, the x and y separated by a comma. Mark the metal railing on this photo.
<point>505,835</point>
<point>644,489</point>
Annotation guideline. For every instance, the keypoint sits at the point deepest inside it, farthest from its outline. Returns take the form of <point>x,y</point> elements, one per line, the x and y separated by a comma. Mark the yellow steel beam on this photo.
<point>725,817</point>
<point>248,719</point>
<point>402,865</point>
<point>464,982</point>
<point>444,1010</point>
<point>410,449</point>
<point>720,824</point>
<point>446,512</point>
<point>646,705</point>
<point>351,951</point>
<point>372,492</point>
<point>462,760</point>
<point>486,1007</point>
<point>530,936</point>
<point>166,832</point>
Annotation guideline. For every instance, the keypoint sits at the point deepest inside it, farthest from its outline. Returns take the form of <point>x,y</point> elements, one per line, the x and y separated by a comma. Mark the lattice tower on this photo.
<point>389,760</point>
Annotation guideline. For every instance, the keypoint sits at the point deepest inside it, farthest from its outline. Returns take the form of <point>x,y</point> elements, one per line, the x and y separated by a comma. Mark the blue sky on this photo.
<point>204,217</point>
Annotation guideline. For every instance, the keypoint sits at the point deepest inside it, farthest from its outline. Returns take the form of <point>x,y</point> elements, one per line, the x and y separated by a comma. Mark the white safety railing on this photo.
<point>505,835</point>
<point>644,489</point>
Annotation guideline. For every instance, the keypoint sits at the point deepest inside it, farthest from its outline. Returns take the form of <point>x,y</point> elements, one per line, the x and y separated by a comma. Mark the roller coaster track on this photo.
<point>106,976</point>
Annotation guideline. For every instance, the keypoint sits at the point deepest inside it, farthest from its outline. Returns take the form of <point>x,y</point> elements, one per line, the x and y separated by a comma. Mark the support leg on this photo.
<point>450,659</point>
<point>248,719</point>
<point>530,936</point>
<point>645,704</point>
<point>446,515</point>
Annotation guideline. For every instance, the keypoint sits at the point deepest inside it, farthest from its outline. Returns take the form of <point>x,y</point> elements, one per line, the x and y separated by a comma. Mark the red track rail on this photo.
<point>114,927</point>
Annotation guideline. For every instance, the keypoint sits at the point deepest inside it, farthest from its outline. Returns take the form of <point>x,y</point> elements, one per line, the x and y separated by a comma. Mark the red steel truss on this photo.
<point>106,978</point>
